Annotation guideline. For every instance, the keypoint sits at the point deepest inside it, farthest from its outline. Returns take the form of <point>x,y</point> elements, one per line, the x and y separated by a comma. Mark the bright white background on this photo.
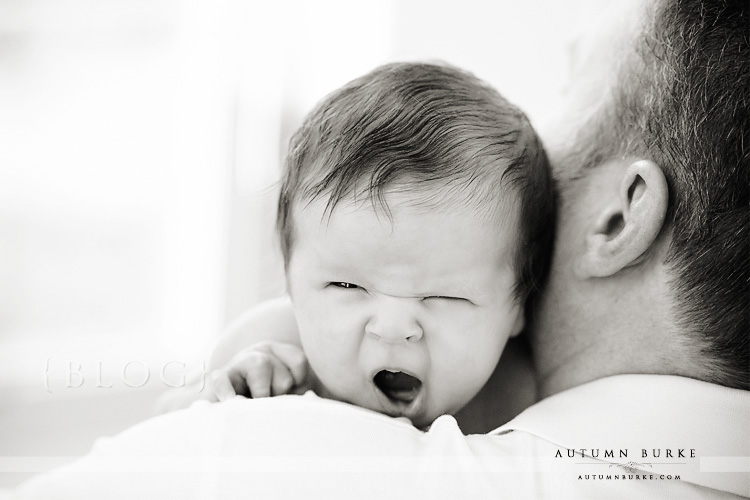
<point>140,143</point>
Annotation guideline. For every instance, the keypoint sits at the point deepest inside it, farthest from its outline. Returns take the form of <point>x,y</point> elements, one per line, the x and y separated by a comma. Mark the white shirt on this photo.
<point>307,447</point>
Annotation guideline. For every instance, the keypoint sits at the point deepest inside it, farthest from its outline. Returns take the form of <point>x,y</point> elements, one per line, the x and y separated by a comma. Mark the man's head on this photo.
<point>416,219</point>
<point>654,235</point>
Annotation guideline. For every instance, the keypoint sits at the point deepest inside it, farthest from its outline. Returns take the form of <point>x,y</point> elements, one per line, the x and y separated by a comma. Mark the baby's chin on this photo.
<point>426,421</point>
<point>421,419</point>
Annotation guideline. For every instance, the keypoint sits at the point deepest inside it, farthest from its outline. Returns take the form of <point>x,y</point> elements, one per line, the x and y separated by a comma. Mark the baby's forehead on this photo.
<point>406,200</point>
<point>404,222</point>
<point>440,236</point>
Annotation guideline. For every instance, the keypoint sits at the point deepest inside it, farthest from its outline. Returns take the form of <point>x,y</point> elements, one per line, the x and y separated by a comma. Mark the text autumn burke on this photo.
<point>644,453</point>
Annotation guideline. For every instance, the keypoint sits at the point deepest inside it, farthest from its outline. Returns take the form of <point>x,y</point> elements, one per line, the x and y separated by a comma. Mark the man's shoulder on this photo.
<point>307,446</point>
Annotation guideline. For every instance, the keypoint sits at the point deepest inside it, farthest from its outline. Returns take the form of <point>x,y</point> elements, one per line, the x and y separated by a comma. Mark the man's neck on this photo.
<point>589,364</point>
<point>624,327</point>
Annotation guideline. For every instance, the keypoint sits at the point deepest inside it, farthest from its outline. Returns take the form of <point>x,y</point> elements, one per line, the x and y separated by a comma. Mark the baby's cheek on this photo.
<point>469,346</point>
<point>456,329</point>
<point>329,333</point>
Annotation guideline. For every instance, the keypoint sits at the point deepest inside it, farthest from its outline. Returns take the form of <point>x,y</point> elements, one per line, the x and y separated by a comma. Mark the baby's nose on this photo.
<point>394,324</point>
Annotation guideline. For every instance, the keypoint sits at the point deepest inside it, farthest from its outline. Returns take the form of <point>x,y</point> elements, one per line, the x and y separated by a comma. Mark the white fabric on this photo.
<point>307,447</point>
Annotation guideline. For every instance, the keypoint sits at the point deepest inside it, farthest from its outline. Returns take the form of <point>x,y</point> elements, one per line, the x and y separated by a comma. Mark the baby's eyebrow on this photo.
<point>459,289</point>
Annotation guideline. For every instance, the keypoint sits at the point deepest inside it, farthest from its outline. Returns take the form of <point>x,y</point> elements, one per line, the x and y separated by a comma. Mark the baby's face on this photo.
<point>406,316</point>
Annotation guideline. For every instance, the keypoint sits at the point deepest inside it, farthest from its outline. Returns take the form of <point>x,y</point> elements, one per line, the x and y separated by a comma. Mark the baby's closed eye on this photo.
<point>434,298</point>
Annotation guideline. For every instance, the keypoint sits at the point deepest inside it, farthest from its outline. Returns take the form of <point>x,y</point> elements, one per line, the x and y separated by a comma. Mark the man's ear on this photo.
<point>629,226</point>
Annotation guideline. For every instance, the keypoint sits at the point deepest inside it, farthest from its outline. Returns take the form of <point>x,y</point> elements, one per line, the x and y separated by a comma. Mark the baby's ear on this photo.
<point>627,225</point>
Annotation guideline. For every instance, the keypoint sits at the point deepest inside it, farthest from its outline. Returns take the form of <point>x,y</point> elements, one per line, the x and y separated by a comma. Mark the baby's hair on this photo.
<point>429,128</point>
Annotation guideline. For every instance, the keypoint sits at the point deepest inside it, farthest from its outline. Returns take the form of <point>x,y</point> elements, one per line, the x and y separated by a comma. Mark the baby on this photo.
<point>416,218</point>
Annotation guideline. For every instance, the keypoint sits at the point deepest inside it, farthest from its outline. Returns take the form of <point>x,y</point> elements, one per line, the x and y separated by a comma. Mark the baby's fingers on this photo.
<point>270,378</point>
<point>294,360</point>
<point>266,375</point>
<point>282,380</point>
<point>221,385</point>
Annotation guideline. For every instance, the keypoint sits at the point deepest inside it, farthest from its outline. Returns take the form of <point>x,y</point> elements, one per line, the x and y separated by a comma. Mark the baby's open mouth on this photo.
<point>399,387</point>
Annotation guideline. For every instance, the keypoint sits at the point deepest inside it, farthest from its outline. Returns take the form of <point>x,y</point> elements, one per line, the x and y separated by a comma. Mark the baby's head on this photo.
<point>416,219</point>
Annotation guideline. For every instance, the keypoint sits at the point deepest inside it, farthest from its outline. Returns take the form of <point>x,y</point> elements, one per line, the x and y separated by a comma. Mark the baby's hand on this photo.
<point>261,370</point>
